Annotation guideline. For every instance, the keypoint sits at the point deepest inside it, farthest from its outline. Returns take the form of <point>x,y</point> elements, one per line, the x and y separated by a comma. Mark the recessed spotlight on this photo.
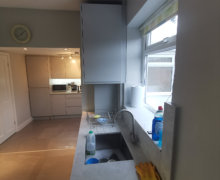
<point>25,49</point>
<point>65,49</point>
<point>73,61</point>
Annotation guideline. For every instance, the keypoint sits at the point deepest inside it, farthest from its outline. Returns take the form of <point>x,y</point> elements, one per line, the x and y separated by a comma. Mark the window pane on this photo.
<point>159,59</point>
<point>155,101</point>
<point>167,29</point>
<point>159,79</point>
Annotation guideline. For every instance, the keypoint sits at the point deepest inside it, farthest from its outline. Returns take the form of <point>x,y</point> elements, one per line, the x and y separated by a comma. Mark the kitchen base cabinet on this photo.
<point>66,104</point>
<point>58,105</point>
<point>73,110</point>
<point>73,104</point>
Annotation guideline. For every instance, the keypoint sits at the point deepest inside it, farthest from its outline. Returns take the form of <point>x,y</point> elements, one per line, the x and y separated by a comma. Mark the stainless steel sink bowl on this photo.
<point>110,148</point>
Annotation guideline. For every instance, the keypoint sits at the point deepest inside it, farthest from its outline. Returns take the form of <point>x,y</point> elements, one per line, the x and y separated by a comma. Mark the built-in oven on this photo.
<point>59,87</point>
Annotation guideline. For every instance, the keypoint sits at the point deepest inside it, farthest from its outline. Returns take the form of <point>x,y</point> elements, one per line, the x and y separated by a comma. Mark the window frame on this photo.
<point>166,44</point>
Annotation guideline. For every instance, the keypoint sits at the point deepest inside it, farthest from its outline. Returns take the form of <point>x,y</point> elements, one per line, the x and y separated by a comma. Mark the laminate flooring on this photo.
<point>43,150</point>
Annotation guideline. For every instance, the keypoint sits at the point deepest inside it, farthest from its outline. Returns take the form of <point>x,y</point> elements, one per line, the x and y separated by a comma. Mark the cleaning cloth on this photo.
<point>147,171</point>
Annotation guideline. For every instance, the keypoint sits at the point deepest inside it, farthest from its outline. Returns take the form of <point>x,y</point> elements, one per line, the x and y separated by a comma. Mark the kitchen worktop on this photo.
<point>108,171</point>
<point>64,92</point>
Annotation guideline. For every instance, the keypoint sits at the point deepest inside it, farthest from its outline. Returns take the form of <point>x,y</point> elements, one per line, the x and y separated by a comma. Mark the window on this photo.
<point>167,29</point>
<point>160,61</point>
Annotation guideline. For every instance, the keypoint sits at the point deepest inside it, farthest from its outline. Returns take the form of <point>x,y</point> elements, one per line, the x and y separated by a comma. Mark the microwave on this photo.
<point>59,87</point>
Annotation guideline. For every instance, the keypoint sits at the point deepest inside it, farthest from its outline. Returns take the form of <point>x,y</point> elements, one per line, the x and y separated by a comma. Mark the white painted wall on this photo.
<point>138,11</point>
<point>133,7</point>
<point>20,85</point>
<point>196,91</point>
<point>134,58</point>
<point>49,28</point>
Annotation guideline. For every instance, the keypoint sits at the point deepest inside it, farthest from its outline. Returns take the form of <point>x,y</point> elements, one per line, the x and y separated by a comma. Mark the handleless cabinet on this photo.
<point>103,32</point>
<point>38,71</point>
<point>57,68</point>
<point>66,104</point>
<point>58,105</point>
<point>65,68</point>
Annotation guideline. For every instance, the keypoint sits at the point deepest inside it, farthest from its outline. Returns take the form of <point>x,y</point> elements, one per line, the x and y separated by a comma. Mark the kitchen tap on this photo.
<point>134,138</point>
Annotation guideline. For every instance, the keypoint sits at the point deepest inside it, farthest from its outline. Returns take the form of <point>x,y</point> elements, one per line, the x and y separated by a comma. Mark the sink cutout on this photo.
<point>110,148</point>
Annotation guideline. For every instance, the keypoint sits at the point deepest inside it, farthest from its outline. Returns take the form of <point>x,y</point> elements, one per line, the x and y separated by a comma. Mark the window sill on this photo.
<point>144,118</point>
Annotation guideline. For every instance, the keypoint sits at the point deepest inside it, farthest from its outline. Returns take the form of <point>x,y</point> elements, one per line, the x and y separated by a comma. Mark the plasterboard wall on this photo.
<point>196,91</point>
<point>49,28</point>
<point>134,58</point>
<point>133,7</point>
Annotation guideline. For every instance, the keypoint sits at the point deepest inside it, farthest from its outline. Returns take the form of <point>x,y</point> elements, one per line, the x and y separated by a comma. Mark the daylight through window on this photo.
<point>160,62</point>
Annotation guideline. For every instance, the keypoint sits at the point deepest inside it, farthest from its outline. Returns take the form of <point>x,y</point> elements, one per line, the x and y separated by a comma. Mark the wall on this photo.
<point>21,94</point>
<point>106,98</point>
<point>49,28</point>
<point>133,7</point>
<point>196,91</point>
<point>138,11</point>
<point>134,58</point>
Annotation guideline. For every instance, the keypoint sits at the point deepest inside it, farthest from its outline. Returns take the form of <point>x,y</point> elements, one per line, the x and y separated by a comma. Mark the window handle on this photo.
<point>165,40</point>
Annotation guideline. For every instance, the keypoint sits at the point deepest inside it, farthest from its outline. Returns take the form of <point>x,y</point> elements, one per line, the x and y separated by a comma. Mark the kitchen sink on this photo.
<point>110,148</point>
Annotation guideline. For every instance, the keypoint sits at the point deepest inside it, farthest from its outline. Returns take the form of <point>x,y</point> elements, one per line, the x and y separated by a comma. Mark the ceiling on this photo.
<point>68,5</point>
<point>41,51</point>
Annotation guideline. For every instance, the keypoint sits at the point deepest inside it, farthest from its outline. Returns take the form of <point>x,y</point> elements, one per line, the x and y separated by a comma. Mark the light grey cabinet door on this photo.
<point>103,43</point>
<point>58,105</point>
<point>38,71</point>
<point>40,102</point>
<point>57,68</point>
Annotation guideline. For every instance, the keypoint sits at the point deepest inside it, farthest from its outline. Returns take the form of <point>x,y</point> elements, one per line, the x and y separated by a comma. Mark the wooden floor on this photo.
<point>43,150</point>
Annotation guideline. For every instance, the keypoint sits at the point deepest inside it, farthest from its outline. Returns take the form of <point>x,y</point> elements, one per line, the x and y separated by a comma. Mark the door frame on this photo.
<point>11,87</point>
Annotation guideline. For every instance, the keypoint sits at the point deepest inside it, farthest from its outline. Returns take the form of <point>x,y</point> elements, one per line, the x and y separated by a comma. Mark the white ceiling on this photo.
<point>41,51</point>
<point>71,5</point>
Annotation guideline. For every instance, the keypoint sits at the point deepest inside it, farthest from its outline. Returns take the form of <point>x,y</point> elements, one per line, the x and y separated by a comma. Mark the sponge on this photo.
<point>96,116</point>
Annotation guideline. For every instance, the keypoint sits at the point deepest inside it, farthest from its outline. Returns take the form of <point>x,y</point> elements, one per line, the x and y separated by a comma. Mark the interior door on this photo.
<point>7,118</point>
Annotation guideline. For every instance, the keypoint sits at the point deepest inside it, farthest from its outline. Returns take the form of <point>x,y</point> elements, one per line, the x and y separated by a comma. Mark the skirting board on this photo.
<point>22,125</point>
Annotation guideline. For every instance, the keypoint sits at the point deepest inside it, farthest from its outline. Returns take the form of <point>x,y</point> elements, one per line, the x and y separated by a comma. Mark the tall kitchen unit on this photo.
<point>38,81</point>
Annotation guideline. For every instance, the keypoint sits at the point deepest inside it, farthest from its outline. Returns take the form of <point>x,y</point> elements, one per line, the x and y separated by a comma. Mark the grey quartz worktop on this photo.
<point>105,171</point>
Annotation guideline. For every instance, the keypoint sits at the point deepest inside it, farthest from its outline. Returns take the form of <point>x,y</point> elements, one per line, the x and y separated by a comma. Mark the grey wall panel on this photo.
<point>106,98</point>
<point>196,91</point>
<point>49,28</point>
<point>134,59</point>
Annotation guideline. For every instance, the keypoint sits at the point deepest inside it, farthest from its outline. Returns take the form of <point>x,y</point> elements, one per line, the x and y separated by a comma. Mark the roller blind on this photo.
<point>159,17</point>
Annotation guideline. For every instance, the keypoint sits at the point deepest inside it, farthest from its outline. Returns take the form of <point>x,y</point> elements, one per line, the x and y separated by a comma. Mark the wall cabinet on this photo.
<point>65,68</point>
<point>103,43</point>
<point>57,68</point>
<point>40,102</point>
<point>73,68</point>
<point>38,71</point>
